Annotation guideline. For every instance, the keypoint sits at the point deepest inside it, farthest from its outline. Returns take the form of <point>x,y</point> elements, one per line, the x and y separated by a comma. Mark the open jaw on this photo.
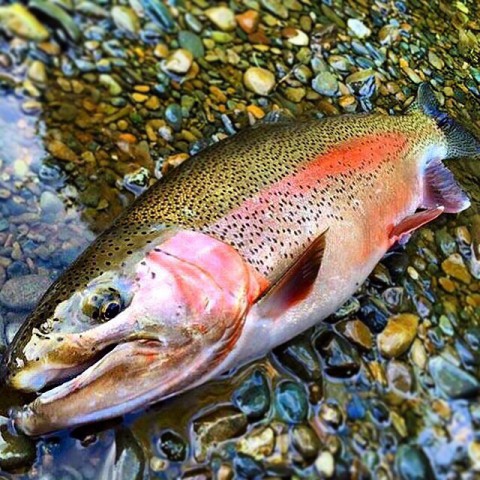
<point>132,375</point>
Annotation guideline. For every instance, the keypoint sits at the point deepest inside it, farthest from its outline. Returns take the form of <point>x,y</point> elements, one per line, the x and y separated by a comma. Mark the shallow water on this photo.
<point>90,142</point>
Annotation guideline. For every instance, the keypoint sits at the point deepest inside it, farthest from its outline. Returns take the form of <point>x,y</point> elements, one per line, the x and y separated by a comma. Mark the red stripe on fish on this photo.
<point>363,154</point>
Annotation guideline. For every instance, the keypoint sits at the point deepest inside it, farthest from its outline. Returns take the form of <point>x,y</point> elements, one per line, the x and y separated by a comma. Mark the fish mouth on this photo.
<point>107,386</point>
<point>125,377</point>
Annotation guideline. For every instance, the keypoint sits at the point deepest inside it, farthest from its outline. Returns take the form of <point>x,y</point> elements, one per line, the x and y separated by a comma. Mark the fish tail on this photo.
<point>460,142</point>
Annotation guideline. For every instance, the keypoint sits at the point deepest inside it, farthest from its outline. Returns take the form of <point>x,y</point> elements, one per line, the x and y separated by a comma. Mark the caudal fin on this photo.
<point>461,143</point>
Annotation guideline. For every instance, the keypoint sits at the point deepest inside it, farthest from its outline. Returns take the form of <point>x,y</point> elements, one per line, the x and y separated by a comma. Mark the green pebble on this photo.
<point>291,401</point>
<point>192,42</point>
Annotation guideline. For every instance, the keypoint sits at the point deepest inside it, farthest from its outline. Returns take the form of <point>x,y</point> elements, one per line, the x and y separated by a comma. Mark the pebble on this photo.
<point>291,401</point>
<point>246,467</point>
<point>259,80</point>
<point>299,357</point>
<point>192,42</point>
<point>398,335</point>
<point>358,28</point>
<point>325,83</point>
<point>31,107</point>
<point>50,204</point>
<point>455,267</point>
<point>222,17</point>
<point>305,441</point>
<point>325,464</point>
<point>59,16</point>
<point>276,7</point>
<point>37,72</point>
<point>125,19</point>
<point>474,454</point>
<point>114,88</point>
<point>412,464</point>
<point>179,61</point>
<point>338,62</point>
<point>296,37</point>
<point>248,21</point>
<point>399,377</point>
<point>452,380</point>
<point>330,415</point>
<point>172,446</point>
<point>216,426</point>
<point>253,396</point>
<point>341,360</point>
<point>61,151</point>
<point>23,293</point>
<point>357,332</point>
<point>258,444</point>
<point>435,60</point>
<point>17,20</point>
<point>174,116</point>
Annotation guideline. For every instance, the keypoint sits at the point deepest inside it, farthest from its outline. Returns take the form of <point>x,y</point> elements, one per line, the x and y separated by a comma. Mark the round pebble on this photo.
<point>259,80</point>
<point>325,83</point>
<point>291,401</point>
<point>23,293</point>
<point>398,335</point>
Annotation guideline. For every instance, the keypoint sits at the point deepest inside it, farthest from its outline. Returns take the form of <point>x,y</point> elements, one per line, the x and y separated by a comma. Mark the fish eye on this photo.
<point>103,305</point>
<point>110,309</point>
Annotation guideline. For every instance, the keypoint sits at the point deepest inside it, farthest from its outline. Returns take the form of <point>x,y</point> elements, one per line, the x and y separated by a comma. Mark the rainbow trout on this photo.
<point>239,249</point>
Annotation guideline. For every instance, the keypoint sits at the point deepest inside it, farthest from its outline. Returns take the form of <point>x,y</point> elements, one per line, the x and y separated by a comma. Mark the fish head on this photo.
<point>104,342</point>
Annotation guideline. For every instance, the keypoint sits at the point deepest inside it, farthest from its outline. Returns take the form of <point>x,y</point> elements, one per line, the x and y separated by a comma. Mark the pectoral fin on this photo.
<point>403,230</point>
<point>296,282</point>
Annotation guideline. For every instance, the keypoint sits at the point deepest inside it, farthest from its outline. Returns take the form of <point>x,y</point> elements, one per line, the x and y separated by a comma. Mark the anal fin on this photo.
<point>412,222</point>
<point>296,283</point>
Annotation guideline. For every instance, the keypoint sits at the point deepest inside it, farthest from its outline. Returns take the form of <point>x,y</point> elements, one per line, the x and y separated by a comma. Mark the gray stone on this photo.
<point>412,464</point>
<point>452,380</point>
<point>325,83</point>
<point>23,293</point>
<point>50,203</point>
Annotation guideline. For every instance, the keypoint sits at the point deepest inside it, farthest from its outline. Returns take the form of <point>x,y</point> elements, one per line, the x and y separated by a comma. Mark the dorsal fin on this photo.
<point>296,283</point>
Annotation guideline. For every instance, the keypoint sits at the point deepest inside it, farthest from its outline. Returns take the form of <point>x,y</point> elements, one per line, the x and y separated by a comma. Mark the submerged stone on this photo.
<point>299,357</point>
<point>412,464</point>
<point>217,426</point>
<point>452,380</point>
<point>253,396</point>
<point>172,446</point>
<point>305,441</point>
<point>291,401</point>
<point>398,335</point>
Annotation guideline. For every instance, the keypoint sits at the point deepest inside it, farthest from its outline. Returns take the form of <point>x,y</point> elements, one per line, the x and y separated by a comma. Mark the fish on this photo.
<point>245,245</point>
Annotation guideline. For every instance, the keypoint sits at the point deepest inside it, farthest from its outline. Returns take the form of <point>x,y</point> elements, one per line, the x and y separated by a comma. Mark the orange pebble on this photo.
<point>257,112</point>
<point>248,20</point>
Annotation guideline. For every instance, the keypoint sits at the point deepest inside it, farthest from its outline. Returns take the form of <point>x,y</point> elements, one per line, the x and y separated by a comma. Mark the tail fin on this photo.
<point>461,143</point>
